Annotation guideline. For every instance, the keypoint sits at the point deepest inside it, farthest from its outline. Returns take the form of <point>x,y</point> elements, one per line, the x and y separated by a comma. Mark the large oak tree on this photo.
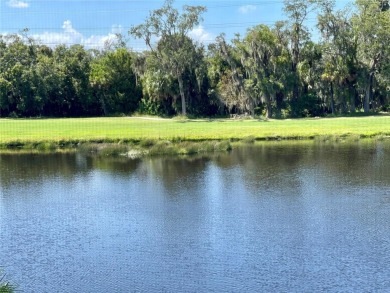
<point>166,34</point>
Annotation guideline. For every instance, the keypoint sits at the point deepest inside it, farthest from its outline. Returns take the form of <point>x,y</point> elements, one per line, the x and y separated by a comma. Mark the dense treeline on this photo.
<point>277,71</point>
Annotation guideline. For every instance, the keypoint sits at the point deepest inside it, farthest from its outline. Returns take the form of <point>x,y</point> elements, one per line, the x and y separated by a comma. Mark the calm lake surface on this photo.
<point>276,217</point>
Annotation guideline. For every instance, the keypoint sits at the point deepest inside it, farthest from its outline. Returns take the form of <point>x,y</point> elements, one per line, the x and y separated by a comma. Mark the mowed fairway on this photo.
<point>136,128</point>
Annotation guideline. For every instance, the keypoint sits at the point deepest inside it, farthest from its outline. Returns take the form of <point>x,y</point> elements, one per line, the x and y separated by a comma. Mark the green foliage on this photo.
<point>103,149</point>
<point>113,150</point>
<point>222,146</point>
<point>147,143</point>
<point>47,146</point>
<point>189,147</point>
<point>163,148</point>
<point>114,82</point>
<point>278,71</point>
<point>6,287</point>
<point>308,106</point>
<point>175,52</point>
<point>372,29</point>
<point>249,139</point>
<point>150,107</point>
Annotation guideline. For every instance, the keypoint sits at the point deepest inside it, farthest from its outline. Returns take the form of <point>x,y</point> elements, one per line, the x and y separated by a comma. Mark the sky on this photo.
<point>94,22</point>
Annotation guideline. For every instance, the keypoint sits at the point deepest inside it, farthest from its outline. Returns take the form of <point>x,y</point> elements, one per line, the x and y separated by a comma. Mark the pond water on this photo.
<point>272,217</point>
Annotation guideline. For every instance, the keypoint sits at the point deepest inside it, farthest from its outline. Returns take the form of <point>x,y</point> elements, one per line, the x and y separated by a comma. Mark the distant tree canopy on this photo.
<point>273,70</point>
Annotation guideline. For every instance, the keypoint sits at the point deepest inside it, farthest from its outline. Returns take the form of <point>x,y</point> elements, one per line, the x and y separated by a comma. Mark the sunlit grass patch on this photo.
<point>52,134</point>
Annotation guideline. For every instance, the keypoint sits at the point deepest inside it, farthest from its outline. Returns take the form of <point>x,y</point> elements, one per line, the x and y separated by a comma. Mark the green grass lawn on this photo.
<point>128,128</point>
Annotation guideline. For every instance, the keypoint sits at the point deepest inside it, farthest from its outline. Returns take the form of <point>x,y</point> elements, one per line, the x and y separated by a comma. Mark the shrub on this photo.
<point>206,147</point>
<point>188,148</point>
<point>113,150</point>
<point>46,146</point>
<point>163,148</point>
<point>146,143</point>
<point>309,105</point>
<point>89,148</point>
<point>223,146</point>
<point>249,139</point>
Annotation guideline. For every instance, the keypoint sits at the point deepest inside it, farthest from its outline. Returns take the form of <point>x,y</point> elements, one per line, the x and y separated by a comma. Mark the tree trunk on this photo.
<point>352,99</point>
<point>252,108</point>
<point>343,104</point>
<point>269,106</point>
<point>294,70</point>
<point>295,84</point>
<point>367,98</point>
<point>279,101</point>
<point>182,95</point>
<point>103,102</point>
<point>331,98</point>
<point>237,79</point>
<point>295,93</point>
<point>368,94</point>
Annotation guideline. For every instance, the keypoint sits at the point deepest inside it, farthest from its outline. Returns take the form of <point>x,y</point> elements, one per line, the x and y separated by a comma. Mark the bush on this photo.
<point>89,148</point>
<point>146,143</point>
<point>13,115</point>
<point>249,139</point>
<point>223,146</point>
<point>308,105</point>
<point>155,107</point>
<point>113,150</point>
<point>163,148</point>
<point>188,148</point>
<point>47,146</point>
<point>206,147</point>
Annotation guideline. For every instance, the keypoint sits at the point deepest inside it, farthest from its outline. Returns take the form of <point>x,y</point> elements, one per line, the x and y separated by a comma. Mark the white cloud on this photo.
<point>70,36</point>
<point>98,42</point>
<point>116,29</point>
<point>247,8</point>
<point>199,34</point>
<point>18,4</point>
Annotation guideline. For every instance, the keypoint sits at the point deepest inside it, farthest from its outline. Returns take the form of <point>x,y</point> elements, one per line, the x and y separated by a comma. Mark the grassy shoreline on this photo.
<point>185,135</point>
